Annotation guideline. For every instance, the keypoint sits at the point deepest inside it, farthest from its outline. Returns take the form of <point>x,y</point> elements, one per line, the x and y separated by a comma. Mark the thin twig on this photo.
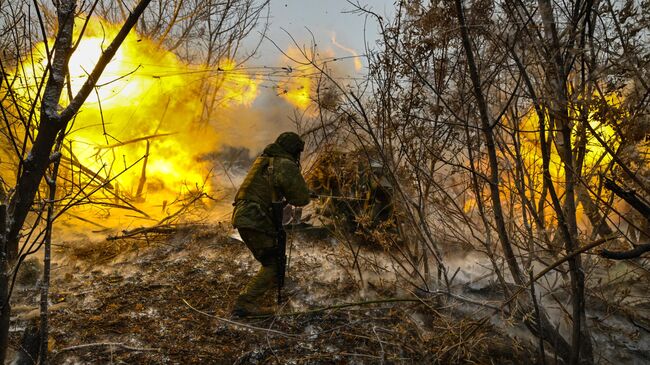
<point>239,324</point>
<point>347,305</point>
<point>102,344</point>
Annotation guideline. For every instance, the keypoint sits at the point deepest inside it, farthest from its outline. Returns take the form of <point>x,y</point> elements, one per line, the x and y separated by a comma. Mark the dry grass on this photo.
<point>125,303</point>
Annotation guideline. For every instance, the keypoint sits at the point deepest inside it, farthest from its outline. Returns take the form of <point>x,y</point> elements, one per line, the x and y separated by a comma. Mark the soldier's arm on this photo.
<point>291,183</point>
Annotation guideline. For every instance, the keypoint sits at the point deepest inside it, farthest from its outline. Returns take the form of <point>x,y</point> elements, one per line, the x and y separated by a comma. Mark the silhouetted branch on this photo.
<point>630,197</point>
<point>626,255</point>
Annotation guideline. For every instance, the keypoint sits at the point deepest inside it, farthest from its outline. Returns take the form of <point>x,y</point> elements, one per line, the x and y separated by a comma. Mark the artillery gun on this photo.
<point>353,192</point>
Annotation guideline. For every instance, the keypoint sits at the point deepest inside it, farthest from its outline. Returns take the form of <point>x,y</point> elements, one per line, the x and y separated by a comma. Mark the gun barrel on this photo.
<point>339,197</point>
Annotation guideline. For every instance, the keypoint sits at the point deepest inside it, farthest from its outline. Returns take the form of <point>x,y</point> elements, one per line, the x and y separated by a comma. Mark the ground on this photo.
<point>166,300</point>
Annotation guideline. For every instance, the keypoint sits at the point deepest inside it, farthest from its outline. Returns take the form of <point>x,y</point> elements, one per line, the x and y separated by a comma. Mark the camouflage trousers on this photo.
<point>263,247</point>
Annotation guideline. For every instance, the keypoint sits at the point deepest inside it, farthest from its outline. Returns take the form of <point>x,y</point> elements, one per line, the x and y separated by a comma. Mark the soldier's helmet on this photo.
<point>376,167</point>
<point>291,142</point>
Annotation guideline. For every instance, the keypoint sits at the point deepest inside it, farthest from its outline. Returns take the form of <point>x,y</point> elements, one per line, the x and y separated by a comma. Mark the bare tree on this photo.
<point>506,116</point>
<point>35,129</point>
<point>52,124</point>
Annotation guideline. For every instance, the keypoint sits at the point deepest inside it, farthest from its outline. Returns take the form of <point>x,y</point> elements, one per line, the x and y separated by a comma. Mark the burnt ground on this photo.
<point>166,300</point>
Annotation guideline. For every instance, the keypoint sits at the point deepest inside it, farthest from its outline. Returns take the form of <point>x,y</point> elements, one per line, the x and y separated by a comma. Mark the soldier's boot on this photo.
<point>249,301</point>
<point>250,310</point>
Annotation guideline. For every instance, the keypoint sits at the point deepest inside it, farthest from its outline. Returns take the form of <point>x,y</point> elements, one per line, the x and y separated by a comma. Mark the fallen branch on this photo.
<point>461,298</point>
<point>239,324</point>
<point>163,226</point>
<point>157,229</point>
<point>183,208</point>
<point>143,230</point>
<point>102,344</point>
<point>347,305</point>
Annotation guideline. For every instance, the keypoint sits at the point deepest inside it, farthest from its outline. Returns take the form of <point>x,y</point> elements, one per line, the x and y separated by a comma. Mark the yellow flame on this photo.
<point>145,91</point>
<point>241,88</point>
<point>596,157</point>
<point>299,87</point>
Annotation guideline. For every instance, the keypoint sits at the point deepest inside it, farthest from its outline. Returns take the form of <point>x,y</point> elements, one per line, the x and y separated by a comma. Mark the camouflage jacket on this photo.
<point>253,199</point>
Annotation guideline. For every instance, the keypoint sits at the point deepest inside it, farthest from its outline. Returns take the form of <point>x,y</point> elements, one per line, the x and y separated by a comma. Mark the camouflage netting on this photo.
<point>354,190</point>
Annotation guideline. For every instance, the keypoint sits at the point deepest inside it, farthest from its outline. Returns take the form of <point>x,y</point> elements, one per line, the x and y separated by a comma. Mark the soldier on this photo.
<point>379,194</point>
<point>274,175</point>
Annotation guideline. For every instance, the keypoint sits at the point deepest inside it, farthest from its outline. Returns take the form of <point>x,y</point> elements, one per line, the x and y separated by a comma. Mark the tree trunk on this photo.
<point>28,352</point>
<point>45,284</point>
<point>486,128</point>
<point>5,310</point>
<point>559,112</point>
<point>543,327</point>
<point>51,123</point>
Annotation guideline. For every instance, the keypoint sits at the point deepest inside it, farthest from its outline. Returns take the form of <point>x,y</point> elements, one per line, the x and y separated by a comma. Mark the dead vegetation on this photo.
<point>525,147</point>
<point>168,301</point>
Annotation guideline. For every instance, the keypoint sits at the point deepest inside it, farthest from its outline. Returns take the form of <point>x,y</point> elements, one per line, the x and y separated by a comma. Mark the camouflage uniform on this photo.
<point>252,213</point>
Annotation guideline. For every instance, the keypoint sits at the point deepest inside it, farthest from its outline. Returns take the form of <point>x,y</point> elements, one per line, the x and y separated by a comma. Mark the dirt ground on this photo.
<point>166,300</point>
